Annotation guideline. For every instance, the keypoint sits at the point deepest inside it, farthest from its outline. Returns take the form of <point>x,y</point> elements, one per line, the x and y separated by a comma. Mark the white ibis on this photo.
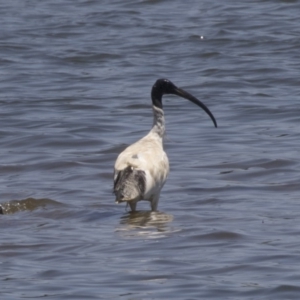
<point>142,168</point>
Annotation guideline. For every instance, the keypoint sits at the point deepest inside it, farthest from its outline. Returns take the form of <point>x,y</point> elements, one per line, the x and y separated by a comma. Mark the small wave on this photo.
<point>30,204</point>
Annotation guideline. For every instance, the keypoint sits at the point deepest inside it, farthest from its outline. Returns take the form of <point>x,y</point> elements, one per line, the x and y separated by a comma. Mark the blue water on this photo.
<point>75,82</point>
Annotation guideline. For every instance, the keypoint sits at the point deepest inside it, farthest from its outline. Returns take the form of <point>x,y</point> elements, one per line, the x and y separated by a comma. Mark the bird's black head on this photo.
<point>165,86</point>
<point>160,88</point>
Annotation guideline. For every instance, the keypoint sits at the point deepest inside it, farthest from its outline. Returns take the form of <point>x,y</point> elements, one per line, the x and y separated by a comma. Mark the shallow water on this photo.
<point>75,81</point>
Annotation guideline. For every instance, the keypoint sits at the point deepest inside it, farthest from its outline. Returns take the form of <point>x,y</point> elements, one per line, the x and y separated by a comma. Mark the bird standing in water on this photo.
<point>142,168</point>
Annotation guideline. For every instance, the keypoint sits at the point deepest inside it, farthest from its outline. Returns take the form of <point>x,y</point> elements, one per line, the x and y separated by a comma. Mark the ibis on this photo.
<point>142,168</point>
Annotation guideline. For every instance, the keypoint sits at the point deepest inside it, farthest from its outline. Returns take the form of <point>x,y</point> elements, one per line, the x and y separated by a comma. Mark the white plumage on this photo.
<point>142,168</point>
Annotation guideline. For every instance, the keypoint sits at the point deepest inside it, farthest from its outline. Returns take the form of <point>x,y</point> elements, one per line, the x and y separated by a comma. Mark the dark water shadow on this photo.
<point>29,204</point>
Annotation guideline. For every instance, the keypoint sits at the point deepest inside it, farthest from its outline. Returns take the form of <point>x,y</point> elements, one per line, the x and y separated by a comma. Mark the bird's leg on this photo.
<point>132,205</point>
<point>154,202</point>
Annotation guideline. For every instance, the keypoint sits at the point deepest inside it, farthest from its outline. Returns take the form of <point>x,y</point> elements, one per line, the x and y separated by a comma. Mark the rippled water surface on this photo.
<point>75,81</point>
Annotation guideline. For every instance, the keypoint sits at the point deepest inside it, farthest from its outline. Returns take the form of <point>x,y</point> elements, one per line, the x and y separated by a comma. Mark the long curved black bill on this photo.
<point>182,93</point>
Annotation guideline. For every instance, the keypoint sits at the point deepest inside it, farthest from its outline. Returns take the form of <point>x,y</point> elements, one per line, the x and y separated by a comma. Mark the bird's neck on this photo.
<point>158,121</point>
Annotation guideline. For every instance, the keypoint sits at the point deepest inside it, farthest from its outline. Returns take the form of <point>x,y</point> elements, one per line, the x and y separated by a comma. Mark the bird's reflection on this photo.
<point>145,223</point>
